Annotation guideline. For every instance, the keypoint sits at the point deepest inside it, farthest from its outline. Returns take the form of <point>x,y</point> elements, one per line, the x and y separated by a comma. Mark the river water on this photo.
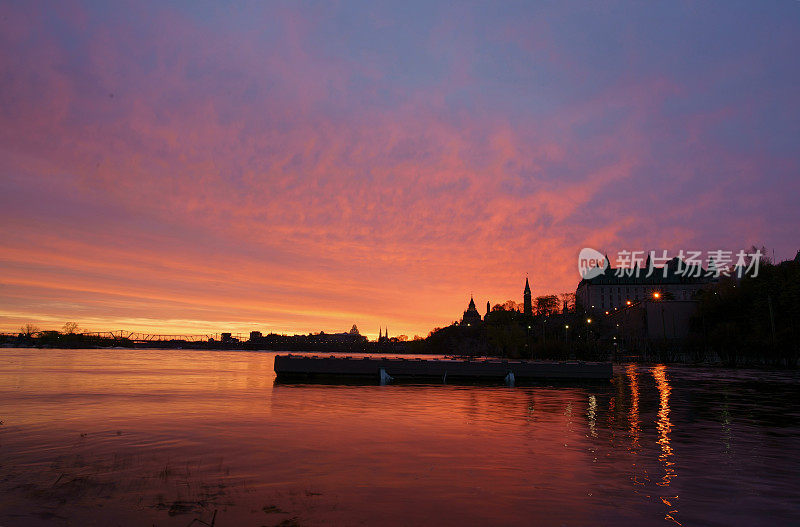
<point>164,437</point>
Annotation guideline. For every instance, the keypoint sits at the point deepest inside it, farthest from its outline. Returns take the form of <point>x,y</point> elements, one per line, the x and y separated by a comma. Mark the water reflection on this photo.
<point>633,414</point>
<point>664,427</point>
<point>726,425</point>
<point>150,435</point>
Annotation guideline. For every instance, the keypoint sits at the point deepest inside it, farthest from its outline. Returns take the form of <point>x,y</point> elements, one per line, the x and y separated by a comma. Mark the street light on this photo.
<point>656,295</point>
<point>588,331</point>
<point>628,302</point>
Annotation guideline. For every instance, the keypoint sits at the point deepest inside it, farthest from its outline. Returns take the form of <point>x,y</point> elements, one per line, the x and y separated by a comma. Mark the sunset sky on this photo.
<point>196,167</point>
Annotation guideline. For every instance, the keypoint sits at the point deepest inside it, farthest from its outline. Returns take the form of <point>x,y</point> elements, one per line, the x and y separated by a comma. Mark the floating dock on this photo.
<point>383,370</point>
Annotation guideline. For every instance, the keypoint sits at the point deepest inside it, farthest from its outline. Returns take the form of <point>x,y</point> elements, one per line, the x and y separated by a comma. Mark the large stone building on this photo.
<point>652,319</point>
<point>617,288</point>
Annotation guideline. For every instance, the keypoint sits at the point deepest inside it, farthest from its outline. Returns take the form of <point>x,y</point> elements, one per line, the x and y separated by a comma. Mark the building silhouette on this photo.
<point>471,316</point>
<point>527,308</point>
<point>618,288</point>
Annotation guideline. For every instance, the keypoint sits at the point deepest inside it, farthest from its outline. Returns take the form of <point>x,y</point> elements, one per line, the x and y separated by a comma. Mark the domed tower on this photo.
<point>528,305</point>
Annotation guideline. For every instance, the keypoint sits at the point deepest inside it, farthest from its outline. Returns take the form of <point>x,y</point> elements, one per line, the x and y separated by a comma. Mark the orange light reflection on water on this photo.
<point>664,427</point>
<point>591,415</point>
<point>633,414</point>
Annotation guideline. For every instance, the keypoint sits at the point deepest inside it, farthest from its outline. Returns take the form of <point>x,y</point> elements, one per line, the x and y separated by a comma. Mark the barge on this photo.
<point>386,369</point>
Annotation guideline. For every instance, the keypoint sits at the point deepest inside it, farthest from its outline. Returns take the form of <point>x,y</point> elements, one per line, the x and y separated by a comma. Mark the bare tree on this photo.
<point>28,330</point>
<point>508,305</point>
<point>762,251</point>
<point>567,300</point>
<point>70,328</point>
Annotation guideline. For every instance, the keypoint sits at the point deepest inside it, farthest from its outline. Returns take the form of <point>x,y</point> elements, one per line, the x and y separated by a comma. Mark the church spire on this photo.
<point>526,299</point>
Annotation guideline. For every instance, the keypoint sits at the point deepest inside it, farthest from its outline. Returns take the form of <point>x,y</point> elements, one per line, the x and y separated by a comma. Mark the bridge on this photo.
<point>150,337</point>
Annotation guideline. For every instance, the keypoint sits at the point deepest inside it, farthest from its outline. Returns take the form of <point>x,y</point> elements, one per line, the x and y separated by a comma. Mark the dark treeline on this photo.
<point>70,338</point>
<point>30,337</point>
<point>750,321</point>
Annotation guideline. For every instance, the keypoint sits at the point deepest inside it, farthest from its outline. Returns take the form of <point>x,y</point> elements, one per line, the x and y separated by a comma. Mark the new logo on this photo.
<point>591,263</point>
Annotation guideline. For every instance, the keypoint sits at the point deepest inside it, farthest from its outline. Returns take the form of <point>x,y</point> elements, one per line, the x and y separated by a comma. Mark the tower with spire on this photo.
<point>471,316</point>
<point>383,337</point>
<point>527,303</point>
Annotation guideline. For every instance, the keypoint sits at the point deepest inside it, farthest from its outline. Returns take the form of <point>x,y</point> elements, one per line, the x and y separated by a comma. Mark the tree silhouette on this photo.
<point>547,304</point>
<point>28,330</point>
<point>567,300</point>
<point>70,328</point>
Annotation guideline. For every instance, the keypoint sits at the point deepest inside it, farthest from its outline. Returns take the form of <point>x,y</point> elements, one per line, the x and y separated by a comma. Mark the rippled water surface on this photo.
<point>154,437</point>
